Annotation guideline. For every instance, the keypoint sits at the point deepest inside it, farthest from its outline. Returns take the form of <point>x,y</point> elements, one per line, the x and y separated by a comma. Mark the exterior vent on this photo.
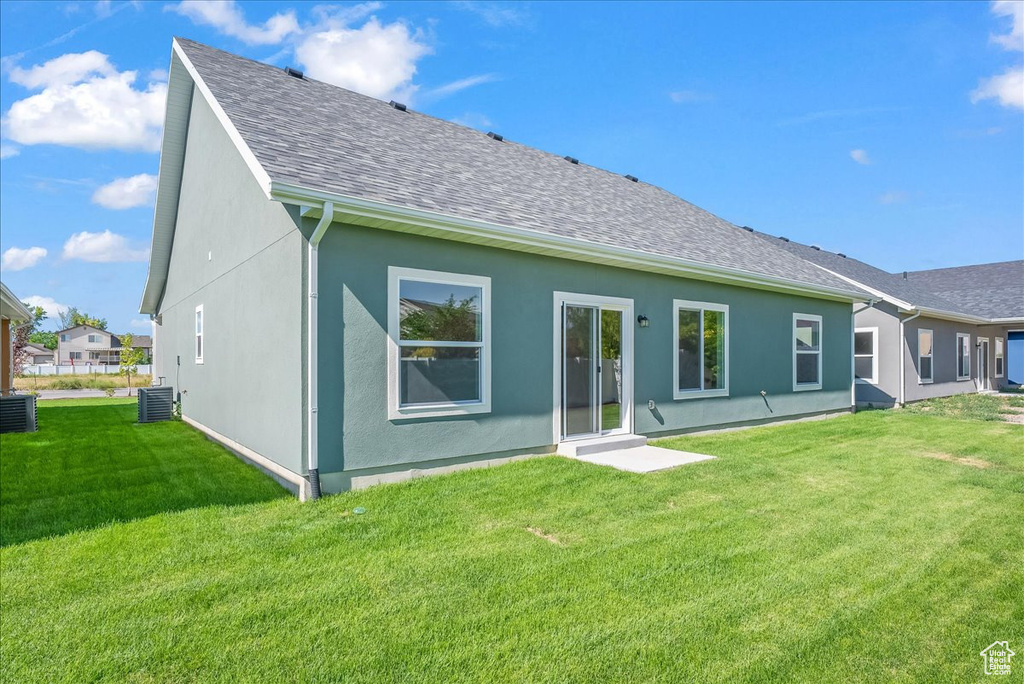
<point>293,72</point>
<point>398,105</point>
<point>18,413</point>
<point>492,134</point>
<point>747,228</point>
<point>571,160</point>
<point>633,178</point>
<point>784,239</point>
<point>816,248</point>
<point>155,403</point>
<point>840,254</point>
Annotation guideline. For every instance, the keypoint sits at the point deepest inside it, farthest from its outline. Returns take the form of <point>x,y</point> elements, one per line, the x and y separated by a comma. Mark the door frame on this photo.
<point>601,302</point>
<point>983,364</point>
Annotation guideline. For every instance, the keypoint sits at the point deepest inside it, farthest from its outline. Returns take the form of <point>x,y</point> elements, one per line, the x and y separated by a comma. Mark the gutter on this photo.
<point>431,223</point>
<point>903,360</point>
<point>312,321</point>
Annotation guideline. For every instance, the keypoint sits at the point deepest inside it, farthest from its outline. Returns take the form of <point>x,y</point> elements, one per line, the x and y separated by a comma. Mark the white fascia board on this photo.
<point>243,149</point>
<point>953,316</point>
<point>183,78</point>
<point>13,308</point>
<point>877,293</point>
<point>415,220</point>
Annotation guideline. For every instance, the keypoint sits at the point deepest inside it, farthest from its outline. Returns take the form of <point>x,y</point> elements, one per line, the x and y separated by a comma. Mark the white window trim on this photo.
<point>199,341</point>
<point>701,393</point>
<point>999,351</point>
<point>967,356</point>
<point>920,380</point>
<point>873,380</point>
<point>808,386</point>
<point>396,274</point>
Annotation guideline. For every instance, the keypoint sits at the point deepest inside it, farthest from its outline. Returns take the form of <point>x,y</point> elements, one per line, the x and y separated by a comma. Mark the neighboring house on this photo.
<point>38,355</point>
<point>12,315</point>
<point>930,333</point>
<point>87,345</point>
<point>352,292</point>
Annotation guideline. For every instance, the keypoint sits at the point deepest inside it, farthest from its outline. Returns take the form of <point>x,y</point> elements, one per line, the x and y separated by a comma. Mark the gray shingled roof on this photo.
<point>875,278</point>
<point>991,290</point>
<point>329,139</point>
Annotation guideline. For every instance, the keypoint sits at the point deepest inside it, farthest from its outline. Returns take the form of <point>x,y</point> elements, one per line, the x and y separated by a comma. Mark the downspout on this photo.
<point>312,457</point>
<point>903,360</point>
<point>853,359</point>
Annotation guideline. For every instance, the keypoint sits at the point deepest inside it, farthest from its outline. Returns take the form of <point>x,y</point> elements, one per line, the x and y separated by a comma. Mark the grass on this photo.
<point>90,464</point>
<point>882,546</point>
<point>28,383</point>
<point>967,406</point>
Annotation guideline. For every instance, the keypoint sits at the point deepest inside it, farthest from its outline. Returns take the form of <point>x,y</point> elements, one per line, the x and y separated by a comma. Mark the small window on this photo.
<point>924,356</point>
<point>701,350</point>
<point>865,355</point>
<point>64,337</point>
<point>199,334</point>
<point>963,356</point>
<point>76,355</point>
<point>94,338</point>
<point>806,352</point>
<point>1000,357</point>
<point>439,339</point>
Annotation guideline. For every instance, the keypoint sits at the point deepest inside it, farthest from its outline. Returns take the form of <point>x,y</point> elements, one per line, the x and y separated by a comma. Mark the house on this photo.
<point>89,345</point>
<point>930,334</point>
<point>38,355</point>
<point>347,292</point>
<point>12,315</point>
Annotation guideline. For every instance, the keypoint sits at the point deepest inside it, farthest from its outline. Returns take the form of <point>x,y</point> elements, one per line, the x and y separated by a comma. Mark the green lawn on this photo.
<point>884,546</point>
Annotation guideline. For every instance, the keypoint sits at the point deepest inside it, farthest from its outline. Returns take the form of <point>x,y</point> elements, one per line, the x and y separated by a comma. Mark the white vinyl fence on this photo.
<point>80,369</point>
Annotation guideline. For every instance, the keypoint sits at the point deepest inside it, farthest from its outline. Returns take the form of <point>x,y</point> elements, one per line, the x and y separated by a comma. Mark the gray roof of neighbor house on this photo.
<point>145,341</point>
<point>875,278</point>
<point>324,138</point>
<point>992,290</point>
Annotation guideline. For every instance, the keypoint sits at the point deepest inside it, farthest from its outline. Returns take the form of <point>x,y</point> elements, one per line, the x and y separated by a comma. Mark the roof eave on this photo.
<point>435,224</point>
<point>18,312</point>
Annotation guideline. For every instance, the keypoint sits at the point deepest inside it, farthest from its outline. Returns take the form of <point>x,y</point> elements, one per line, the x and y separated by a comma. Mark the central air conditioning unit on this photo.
<point>155,403</point>
<point>18,413</point>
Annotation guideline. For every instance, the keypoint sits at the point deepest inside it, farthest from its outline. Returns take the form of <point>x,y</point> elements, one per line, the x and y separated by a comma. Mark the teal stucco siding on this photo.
<point>356,434</point>
<point>240,256</point>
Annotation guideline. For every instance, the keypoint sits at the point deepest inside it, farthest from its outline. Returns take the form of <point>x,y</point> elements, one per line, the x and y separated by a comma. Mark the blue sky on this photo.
<point>893,132</point>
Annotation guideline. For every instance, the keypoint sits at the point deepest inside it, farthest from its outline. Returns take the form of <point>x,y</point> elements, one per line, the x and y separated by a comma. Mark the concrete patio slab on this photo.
<point>642,459</point>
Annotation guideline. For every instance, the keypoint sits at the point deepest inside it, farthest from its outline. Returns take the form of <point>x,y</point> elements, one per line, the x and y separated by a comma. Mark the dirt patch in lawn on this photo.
<point>543,535</point>
<point>967,461</point>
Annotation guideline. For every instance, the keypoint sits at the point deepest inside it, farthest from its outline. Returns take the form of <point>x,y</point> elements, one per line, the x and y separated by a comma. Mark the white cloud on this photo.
<point>105,247</point>
<point>860,156</point>
<point>17,259</point>
<point>8,151</point>
<point>462,84</point>
<point>52,308</point>
<point>893,197</point>
<point>473,120</point>
<point>375,59</point>
<point>690,96</point>
<point>143,324</point>
<point>87,103</point>
<point>1014,40</point>
<point>125,193</point>
<point>494,14</point>
<point>1007,87</point>
<point>227,17</point>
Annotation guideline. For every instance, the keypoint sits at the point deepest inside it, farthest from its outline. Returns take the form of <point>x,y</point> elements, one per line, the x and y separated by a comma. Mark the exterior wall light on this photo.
<point>643,321</point>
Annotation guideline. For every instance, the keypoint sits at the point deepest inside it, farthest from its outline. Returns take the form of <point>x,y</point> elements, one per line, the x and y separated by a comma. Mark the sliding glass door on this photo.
<point>592,370</point>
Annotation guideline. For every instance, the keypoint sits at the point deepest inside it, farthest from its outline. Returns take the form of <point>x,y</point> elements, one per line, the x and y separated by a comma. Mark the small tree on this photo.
<point>131,357</point>
<point>19,350</point>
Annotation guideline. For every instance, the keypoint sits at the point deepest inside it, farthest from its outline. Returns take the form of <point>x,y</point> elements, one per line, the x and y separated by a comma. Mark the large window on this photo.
<point>199,334</point>
<point>1000,358</point>
<point>924,355</point>
<point>806,352</point>
<point>865,355</point>
<point>963,356</point>
<point>439,338</point>
<point>702,349</point>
